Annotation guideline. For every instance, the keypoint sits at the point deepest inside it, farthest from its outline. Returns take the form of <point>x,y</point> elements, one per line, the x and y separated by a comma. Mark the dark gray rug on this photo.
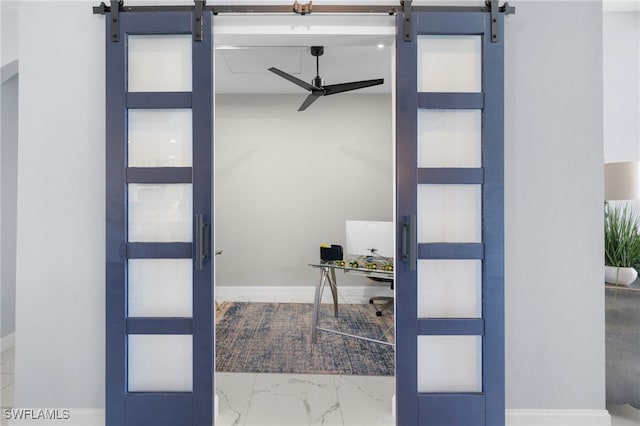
<point>623,347</point>
<point>275,338</point>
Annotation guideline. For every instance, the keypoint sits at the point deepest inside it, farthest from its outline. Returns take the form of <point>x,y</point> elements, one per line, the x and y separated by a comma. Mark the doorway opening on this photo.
<point>286,182</point>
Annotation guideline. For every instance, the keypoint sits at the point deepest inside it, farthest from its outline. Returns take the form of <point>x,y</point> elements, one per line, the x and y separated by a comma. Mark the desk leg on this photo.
<point>316,305</point>
<point>334,291</point>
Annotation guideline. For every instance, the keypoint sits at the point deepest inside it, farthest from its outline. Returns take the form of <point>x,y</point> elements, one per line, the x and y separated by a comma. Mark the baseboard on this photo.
<point>393,407</point>
<point>216,407</point>
<point>557,418</point>
<point>297,294</point>
<point>57,417</point>
<point>8,342</point>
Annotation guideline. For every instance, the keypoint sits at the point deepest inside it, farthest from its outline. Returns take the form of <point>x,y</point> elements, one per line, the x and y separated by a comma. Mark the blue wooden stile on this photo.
<point>484,408</point>
<point>125,408</point>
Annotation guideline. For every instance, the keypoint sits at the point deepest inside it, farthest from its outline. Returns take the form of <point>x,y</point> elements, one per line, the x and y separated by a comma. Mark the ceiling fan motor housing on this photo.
<point>318,82</point>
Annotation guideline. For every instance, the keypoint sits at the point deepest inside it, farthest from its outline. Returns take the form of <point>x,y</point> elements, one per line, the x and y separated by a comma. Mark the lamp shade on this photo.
<point>622,181</point>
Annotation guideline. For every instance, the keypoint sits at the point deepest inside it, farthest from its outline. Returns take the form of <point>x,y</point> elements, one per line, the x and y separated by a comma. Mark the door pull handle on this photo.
<point>409,243</point>
<point>202,241</point>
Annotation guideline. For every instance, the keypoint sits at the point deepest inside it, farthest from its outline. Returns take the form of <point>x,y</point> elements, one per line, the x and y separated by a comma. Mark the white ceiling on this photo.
<point>355,48</point>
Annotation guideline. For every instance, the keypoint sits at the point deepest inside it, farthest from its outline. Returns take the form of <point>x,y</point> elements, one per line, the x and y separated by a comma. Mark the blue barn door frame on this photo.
<point>158,408</point>
<point>484,407</point>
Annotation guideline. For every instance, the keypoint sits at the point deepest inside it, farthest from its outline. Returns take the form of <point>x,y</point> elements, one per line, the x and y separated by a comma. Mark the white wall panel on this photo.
<point>287,181</point>
<point>554,192</point>
<point>61,203</point>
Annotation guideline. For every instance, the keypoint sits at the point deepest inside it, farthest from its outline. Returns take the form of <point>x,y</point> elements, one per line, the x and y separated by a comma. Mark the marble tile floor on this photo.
<point>248,399</point>
<point>7,377</point>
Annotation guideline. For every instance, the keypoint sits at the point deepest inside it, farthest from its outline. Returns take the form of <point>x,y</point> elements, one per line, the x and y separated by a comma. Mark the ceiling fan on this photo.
<point>317,88</point>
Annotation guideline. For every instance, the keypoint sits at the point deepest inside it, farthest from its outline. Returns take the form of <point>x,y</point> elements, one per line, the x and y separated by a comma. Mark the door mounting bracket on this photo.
<point>495,30</point>
<point>115,19</point>
<point>495,10</point>
<point>197,19</point>
<point>406,29</point>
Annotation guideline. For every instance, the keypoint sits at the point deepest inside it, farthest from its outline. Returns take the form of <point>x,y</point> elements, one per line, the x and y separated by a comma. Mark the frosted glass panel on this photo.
<point>160,363</point>
<point>160,138</point>
<point>449,138</point>
<point>160,288</point>
<point>449,364</point>
<point>449,213</point>
<point>449,288</point>
<point>160,213</point>
<point>159,63</point>
<point>449,63</point>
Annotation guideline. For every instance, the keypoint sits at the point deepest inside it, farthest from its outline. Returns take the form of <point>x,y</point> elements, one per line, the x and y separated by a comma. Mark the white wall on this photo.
<point>555,305</point>
<point>286,181</point>
<point>621,36</point>
<point>553,201</point>
<point>9,12</point>
<point>61,186</point>
<point>9,193</point>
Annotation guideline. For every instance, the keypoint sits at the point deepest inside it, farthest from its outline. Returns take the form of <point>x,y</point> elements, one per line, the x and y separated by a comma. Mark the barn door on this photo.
<point>159,291</point>
<point>450,307</point>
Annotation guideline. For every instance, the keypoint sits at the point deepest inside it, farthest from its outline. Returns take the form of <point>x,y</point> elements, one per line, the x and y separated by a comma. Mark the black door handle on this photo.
<point>202,241</point>
<point>409,242</point>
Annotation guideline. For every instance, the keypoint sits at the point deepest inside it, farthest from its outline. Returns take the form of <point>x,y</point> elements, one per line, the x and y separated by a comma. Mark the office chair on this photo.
<point>382,303</point>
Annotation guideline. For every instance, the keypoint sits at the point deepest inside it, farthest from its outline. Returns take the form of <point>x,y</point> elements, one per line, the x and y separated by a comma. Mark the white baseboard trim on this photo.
<point>57,417</point>
<point>8,342</point>
<point>216,407</point>
<point>522,417</point>
<point>393,407</point>
<point>297,294</point>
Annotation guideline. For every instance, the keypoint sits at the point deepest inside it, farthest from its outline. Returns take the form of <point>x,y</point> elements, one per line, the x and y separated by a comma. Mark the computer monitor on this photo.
<point>365,236</point>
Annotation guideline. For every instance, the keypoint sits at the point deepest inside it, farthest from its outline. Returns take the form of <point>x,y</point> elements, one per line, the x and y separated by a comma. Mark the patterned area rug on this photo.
<point>275,338</point>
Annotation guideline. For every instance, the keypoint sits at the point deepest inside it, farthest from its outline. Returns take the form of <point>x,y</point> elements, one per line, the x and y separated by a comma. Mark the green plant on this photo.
<point>621,235</point>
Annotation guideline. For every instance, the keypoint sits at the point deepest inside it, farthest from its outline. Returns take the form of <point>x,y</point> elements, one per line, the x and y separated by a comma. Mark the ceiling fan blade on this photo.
<point>294,80</point>
<point>310,99</point>
<point>332,89</point>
